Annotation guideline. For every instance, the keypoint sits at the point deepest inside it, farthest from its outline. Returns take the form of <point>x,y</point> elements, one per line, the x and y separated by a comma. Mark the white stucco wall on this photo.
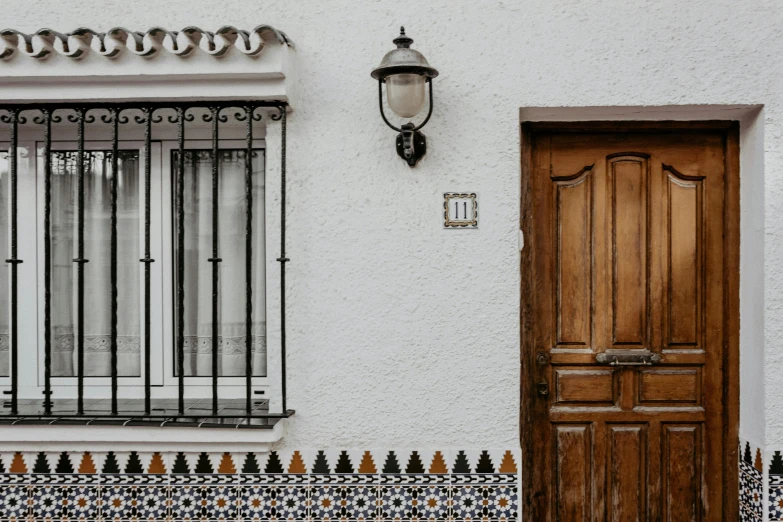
<point>402,332</point>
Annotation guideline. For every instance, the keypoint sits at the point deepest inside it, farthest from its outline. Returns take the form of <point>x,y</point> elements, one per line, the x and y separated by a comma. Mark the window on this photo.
<point>231,226</point>
<point>156,274</point>
<point>96,248</point>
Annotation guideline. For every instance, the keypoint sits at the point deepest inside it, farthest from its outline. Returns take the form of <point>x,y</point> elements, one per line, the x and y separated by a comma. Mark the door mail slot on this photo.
<point>628,358</point>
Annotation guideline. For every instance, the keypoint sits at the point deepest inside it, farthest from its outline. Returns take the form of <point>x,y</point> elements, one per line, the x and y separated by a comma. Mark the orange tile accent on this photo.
<point>87,466</point>
<point>297,465</point>
<point>367,465</point>
<point>18,465</point>
<point>157,467</point>
<point>438,464</point>
<point>758,464</point>
<point>227,464</point>
<point>508,465</point>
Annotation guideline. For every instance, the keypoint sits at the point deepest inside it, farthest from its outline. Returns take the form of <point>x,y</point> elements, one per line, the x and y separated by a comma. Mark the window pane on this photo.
<point>97,273</point>
<point>232,219</point>
<point>5,271</point>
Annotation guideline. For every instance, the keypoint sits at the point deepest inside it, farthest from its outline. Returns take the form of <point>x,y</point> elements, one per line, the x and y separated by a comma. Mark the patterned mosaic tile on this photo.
<point>13,500</point>
<point>351,486</point>
<point>284,502</point>
<point>126,502</point>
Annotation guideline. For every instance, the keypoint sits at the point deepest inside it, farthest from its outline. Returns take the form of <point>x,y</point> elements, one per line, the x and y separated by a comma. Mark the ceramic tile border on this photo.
<point>323,485</point>
<point>751,482</point>
<point>297,485</point>
<point>775,488</point>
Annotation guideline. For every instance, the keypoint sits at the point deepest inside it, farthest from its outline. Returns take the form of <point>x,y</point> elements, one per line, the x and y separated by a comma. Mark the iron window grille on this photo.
<point>250,411</point>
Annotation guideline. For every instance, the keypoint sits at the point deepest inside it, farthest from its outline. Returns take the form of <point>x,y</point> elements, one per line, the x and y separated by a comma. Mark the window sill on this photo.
<point>51,437</point>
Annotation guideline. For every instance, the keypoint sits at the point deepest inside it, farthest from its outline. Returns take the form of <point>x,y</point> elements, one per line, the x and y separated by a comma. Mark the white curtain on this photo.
<point>232,278</point>
<point>97,272</point>
<point>5,271</point>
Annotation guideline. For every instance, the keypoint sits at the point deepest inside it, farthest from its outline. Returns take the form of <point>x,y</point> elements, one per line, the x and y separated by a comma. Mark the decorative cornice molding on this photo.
<point>79,43</point>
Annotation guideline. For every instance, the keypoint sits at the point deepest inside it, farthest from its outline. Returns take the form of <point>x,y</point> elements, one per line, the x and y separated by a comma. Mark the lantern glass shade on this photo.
<point>405,94</point>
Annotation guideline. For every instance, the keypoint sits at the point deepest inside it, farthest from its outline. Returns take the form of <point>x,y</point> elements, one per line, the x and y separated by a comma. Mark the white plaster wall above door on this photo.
<point>396,337</point>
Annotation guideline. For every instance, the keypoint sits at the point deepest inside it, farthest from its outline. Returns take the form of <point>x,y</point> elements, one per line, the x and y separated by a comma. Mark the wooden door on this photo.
<point>629,303</point>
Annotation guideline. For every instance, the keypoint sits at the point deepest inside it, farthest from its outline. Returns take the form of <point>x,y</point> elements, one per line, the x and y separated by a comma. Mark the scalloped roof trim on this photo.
<point>79,43</point>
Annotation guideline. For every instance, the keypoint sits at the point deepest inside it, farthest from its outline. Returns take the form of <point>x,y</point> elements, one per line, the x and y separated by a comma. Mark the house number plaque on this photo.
<point>460,210</point>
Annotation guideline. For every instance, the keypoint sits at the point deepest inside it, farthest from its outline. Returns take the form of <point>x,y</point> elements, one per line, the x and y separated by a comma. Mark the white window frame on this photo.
<point>30,187</point>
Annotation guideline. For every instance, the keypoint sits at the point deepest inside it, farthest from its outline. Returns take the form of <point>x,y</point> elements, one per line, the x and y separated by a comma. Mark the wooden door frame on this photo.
<point>528,402</point>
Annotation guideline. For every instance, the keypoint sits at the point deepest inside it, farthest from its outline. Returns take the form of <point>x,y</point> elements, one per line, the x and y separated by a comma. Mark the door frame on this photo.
<point>731,395</point>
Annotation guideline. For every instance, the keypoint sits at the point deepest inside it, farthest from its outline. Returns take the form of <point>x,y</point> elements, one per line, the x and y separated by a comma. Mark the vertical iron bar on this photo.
<point>147,260</point>
<point>181,258</point>
<point>13,261</point>
<point>248,260</point>
<point>115,151</point>
<point>46,117</point>
<point>80,113</point>
<point>283,259</point>
<point>214,259</point>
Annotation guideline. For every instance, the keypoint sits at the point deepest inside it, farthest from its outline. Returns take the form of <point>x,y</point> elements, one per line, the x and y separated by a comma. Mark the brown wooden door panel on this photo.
<point>669,386</point>
<point>626,472</point>
<point>626,249</point>
<point>574,473</point>
<point>684,260</point>
<point>598,387</point>
<point>573,291</point>
<point>683,463</point>
<point>627,177</point>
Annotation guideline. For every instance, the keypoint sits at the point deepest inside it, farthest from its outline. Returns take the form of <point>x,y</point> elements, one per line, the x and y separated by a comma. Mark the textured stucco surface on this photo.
<point>402,332</point>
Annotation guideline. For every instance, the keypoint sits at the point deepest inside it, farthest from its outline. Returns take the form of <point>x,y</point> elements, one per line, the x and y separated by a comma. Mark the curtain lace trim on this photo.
<point>226,345</point>
<point>97,343</point>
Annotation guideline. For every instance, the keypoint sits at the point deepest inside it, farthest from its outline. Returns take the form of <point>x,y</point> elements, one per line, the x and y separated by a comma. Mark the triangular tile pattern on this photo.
<point>367,465</point>
<point>64,464</point>
<point>343,463</point>
<point>485,463</point>
<point>321,465</point>
<point>157,466</point>
<point>391,465</point>
<point>776,464</point>
<point>461,465</point>
<point>180,464</point>
<point>415,464</point>
<point>18,464</point>
<point>110,464</point>
<point>226,466</point>
<point>87,466</point>
<point>251,464</point>
<point>508,465</point>
<point>438,465</point>
<point>204,465</point>
<point>134,465</point>
<point>273,464</point>
<point>297,465</point>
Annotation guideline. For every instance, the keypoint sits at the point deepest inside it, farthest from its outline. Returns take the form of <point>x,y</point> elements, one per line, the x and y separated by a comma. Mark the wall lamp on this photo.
<point>405,71</point>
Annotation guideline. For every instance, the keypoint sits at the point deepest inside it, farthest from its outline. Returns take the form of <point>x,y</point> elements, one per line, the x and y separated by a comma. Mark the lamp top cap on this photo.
<point>403,41</point>
<point>403,60</point>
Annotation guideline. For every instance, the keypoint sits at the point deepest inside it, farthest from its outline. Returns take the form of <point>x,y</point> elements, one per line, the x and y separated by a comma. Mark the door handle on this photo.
<point>628,358</point>
<point>543,388</point>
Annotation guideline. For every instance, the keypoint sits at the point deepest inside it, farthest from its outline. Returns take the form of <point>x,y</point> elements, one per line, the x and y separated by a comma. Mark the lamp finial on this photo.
<point>403,41</point>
